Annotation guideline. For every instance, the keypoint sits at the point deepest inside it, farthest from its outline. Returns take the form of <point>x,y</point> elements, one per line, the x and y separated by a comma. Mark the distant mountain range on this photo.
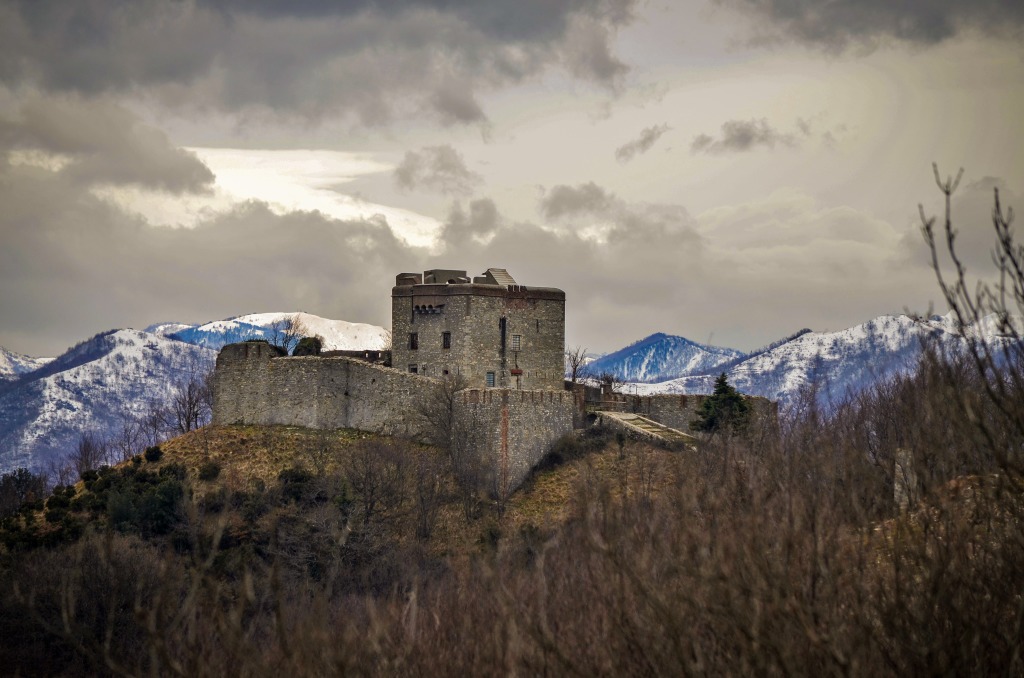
<point>660,357</point>
<point>46,404</point>
<point>836,364</point>
<point>13,365</point>
<point>98,384</point>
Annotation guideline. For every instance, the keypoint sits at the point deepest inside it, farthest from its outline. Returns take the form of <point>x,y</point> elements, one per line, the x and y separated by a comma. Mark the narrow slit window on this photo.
<point>414,341</point>
<point>446,340</point>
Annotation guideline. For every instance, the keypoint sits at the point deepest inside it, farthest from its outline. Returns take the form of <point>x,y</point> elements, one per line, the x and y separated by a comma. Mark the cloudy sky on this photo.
<point>727,170</point>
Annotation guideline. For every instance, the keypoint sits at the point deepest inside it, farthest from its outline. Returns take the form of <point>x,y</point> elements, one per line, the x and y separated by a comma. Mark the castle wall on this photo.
<point>472,315</point>
<point>252,385</point>
<point>508,430</point>
<point>513,429</point>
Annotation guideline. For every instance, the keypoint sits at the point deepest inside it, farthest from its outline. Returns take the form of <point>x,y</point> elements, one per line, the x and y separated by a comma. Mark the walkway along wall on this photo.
<point>678,410</point>
<point>509,430</point>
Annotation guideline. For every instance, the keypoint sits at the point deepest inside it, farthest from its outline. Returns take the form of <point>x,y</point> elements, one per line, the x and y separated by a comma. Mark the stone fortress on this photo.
<point>500,343</point>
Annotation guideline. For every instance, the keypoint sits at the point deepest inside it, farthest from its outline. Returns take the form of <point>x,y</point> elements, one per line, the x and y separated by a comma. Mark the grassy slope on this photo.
<point>250,453</point>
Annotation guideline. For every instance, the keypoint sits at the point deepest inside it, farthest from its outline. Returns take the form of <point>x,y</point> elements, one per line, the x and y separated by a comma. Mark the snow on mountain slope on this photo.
<point>91,387</point>
<point>338,335</point>
<point>13,365</point>
<point>660,357</point>
<point>836,363</point>
<point>167,329</point>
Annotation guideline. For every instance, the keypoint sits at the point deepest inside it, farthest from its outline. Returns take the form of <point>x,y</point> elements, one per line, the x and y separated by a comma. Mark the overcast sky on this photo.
<point>726,170</point>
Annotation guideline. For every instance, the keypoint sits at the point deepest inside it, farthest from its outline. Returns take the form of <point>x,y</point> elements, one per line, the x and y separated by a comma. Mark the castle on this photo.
<point>502,343</point>
<point>499,343</point>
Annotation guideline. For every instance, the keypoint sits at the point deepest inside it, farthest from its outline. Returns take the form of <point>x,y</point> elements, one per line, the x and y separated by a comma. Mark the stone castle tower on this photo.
<point>491,331</point>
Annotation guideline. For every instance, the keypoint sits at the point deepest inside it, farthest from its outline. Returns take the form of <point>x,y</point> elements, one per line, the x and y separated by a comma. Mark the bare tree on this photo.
<point>189,407</point>
<point>130,438</point>
<point>999,360</point>
<point>437,411</point>
<point>575,363</point>
<point>377,471</point>
<point>90,453</point>
<point>286,332</point>
<point>459,439</point>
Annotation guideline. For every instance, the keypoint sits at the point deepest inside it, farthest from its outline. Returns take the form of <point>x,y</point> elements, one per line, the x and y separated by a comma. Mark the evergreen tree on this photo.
<point>724,410</point>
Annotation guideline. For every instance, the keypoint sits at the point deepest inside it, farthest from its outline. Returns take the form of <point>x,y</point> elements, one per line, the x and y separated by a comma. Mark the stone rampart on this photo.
<point>255,385</point>
<point>513,429</point>
<point>508,430</point>
<point>678,410</point>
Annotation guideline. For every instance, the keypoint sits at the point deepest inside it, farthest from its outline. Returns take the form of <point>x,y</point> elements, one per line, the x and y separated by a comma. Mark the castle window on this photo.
<point>414,369</point>
<point>414,341</point>
<point>517,340</point>
<point>446,340</point>
<point>490,379</point>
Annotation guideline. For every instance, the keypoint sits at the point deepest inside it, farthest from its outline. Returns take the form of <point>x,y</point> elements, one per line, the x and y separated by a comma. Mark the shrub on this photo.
<point>209,470</point>
<point>308,346</point>
<point>294,482</point>
<point>177,471</point>
<point>153,453</point>
<point>58,501</point>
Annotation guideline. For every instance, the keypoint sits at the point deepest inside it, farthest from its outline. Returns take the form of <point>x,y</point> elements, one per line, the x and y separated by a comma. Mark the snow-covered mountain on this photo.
<point>836,363</point>
<point>660,357</point>
<point>13,365</point>
<point>338,335</point>
<point>94,386</point>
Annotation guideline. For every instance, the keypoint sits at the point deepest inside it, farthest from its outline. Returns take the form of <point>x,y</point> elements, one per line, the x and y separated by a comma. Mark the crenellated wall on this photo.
<point>513,429</point>
<point>510,430</point>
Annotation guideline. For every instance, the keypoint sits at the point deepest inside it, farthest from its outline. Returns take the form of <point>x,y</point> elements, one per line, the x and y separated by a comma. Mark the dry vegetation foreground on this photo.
<point>258,551</point>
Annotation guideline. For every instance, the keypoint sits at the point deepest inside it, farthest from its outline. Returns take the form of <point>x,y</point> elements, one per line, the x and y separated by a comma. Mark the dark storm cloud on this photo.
<point>588,198</point>
<point>741,135</point>
<point>436,168</point>
<point>835,24</point>
<point>481,222</point>
<point>313,58</point>
<point>642,144</point>
<point>72,264</point>
<point>103,143</point>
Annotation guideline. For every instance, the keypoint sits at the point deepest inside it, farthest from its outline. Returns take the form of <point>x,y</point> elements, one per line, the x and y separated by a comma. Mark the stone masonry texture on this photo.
<point>515,429</point>
<point>473,315</point>
<point>511,429</point>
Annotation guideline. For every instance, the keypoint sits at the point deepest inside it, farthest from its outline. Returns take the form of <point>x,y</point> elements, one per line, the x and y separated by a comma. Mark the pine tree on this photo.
<point>724,410</point>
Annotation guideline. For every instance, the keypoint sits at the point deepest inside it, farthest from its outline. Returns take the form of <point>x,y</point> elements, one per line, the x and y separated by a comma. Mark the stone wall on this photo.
<point>510,429</point>
<point>472,315</point>
<point>678,410</point>
<point>253,385</point>
<point>513,429</point>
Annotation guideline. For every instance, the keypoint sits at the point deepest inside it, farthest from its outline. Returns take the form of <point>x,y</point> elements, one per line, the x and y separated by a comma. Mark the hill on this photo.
<point>94,387</point>
<point>13,365</point>
<point>837,363</point>
<point>660,357</point>
<point>338,335</point>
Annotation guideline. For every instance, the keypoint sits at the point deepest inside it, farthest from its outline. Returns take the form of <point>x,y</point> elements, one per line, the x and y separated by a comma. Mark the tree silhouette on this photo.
<point>724,410</point>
